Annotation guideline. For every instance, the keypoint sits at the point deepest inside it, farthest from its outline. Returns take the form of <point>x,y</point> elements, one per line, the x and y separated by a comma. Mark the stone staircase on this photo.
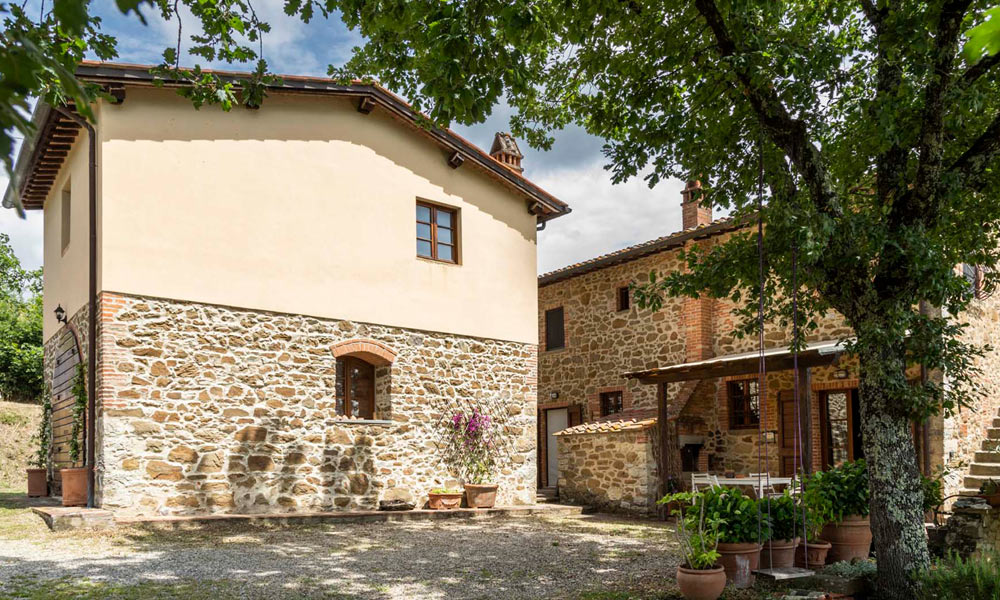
<point>547,496</point>
<point>986,464</point>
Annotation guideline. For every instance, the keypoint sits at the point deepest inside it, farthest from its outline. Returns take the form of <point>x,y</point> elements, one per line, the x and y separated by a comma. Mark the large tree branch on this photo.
<point>973,162</point>
<point>930,147</point>
<point>873,13</point>
<point>788,133</point>
<point>977,70</point>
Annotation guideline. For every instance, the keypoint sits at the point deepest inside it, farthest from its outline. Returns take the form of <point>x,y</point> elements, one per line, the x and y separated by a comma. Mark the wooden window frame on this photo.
<point>345,385</point>
<point>435,208</point>
<point>605,397</point>
<point>623,298</point>
<point>746,397</point>
<point>562,344</point>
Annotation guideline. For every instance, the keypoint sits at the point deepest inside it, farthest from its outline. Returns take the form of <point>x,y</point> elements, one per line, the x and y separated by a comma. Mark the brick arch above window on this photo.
<point>368,350</point>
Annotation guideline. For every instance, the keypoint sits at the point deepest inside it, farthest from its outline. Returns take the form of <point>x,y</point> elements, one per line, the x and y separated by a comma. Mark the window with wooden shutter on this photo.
<point>555,329</point>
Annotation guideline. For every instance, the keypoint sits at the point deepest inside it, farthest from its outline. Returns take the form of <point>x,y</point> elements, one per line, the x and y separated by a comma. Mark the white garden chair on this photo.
<point>703,480</point>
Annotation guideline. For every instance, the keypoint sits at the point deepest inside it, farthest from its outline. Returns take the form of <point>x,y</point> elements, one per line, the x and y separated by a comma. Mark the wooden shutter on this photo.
<point>555,332</point>
<point>575,415</point>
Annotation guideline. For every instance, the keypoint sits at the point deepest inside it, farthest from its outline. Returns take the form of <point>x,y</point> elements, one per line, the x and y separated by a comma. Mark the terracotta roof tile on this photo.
<point>609,426</point>
<point>667,242</point>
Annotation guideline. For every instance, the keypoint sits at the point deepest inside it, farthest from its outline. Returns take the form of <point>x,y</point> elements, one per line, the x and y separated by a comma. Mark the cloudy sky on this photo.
<point>605,217</point>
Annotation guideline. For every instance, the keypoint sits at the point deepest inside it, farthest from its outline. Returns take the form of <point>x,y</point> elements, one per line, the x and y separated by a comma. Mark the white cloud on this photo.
<point>25,234</point>
<point>605,217</point>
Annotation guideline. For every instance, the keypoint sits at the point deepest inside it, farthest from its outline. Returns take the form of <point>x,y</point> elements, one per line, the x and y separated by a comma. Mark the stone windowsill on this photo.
<point>379,422</point>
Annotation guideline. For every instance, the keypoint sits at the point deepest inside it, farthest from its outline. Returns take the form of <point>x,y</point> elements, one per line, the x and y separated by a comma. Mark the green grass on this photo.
<point>29,588</point>
<point>18,423</point>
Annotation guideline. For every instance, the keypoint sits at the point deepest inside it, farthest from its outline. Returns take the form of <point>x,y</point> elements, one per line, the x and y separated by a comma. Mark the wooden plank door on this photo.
<point>786,432</point>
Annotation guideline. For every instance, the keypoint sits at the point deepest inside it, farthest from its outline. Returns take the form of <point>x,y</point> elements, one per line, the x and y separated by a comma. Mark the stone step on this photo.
<point>973,482</point>
<point>993,433</point>
<point>547,496</point>
<point>987,457</point>
<point>990,446</point>
<point>968,492</point>
<point>996,421</point>
<point>986,468</point>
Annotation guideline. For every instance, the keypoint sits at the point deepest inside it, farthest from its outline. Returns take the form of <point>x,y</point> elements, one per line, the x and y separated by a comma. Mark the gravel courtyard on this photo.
<point>580,557</point>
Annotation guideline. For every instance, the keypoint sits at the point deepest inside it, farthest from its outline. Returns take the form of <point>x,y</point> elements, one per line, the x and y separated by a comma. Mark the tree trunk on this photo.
<point>896,494</point>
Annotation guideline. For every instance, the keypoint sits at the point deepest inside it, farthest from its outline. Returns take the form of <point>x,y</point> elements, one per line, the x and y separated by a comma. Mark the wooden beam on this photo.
<point>662,424</point>
<point>366,105</point>
<point>743,366</point>
<point>456,159</point>
<point>805,413</point>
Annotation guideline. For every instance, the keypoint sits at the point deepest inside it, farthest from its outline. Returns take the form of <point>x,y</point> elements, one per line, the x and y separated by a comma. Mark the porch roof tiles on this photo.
<point>609,426</point>
<point>775,359</point>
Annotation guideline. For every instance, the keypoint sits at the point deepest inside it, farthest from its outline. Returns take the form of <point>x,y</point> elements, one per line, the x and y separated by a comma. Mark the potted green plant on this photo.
<point>74,479</point>
<point>845,491</point>
<point>812,549</point>
<point>38,473</point>
<point>699,577</point>
<point>786,525</point>
<point>743,527</point>
<point>477,455</point>
<point>989,490</point>
<point>444,499</point>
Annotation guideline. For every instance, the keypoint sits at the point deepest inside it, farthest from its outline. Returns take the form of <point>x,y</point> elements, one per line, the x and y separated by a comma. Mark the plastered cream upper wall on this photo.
<point>65,273</point>
<point>306,206</point>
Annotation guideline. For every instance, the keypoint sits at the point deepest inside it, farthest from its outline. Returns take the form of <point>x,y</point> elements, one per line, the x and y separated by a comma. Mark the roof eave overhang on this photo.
<point>548,207</point>
<point>25,160</point>
<point>669,243</point>
<point>822,354</point>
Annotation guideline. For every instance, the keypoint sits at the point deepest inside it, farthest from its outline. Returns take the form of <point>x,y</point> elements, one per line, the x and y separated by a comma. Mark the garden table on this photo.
<point>751,482</point>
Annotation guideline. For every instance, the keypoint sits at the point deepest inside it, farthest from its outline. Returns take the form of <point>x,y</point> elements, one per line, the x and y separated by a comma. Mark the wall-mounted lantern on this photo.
<point>60,314</point>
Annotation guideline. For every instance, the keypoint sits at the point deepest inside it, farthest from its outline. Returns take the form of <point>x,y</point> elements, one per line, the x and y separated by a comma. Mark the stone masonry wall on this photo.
<point>208,409</point>
<point>613,471</point>
<point>964,432</point>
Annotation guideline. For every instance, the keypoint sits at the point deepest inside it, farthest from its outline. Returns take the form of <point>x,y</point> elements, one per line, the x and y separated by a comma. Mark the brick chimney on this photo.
<point>506,152</point>
<point>693,213</point>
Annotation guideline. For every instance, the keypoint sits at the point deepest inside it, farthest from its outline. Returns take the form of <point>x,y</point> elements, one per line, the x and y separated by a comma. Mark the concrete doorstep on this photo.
<point>63,518</point>
<point>60,518</point>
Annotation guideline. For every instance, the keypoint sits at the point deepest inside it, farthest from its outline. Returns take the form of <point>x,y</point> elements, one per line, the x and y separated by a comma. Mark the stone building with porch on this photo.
<point>280,309</point>
<point>611,374</point>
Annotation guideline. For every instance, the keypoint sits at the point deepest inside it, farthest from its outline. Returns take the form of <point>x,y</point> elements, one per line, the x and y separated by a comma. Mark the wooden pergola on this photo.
<point>815,354</point>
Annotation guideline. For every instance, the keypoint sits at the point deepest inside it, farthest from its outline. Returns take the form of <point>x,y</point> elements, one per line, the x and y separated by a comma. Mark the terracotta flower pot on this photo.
<point>444,501</point>
<point>778,554</point>
<point>739,561</point>
<point>480,496</point>
<point>74,486</point>
<point>701,584</point>
<point>817,554</point>
<point>38,483</point>
<point>991,499</point>
<point>851,538</point>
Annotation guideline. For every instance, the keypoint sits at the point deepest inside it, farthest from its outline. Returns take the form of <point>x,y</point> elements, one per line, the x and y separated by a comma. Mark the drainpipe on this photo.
<point>91,303</point>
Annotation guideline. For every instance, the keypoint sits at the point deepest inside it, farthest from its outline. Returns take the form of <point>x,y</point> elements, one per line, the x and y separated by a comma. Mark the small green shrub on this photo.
<point>785,514</point>
<point>955,578</point>
<point>852,569</point>
<point>446,491</point>
<point>12,419</point>
<point>697,530</point>
<point>44,435</point>
<point>933,488</point>
<point>839,492</point>
<point>742,518</point>
<point>79,413</point>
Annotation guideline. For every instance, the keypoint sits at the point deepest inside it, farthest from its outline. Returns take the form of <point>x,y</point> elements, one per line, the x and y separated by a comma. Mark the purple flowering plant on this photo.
<point>474,446</point>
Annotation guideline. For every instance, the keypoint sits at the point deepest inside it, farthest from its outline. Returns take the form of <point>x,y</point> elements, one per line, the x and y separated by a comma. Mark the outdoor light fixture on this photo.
<point>553,395</point>
<point>841,374</point>
<point>60,314</point>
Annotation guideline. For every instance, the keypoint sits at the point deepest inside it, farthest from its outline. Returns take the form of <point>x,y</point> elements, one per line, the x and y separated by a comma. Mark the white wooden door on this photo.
<point>556,419</point>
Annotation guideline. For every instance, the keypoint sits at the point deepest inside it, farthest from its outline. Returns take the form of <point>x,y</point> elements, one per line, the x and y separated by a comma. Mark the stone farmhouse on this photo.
<point>611,375</point>
<point>281,309</point>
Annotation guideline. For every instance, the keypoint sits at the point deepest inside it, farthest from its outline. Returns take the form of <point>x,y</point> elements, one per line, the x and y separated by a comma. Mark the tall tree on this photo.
<point>876,139</point>
<point>20,327</point>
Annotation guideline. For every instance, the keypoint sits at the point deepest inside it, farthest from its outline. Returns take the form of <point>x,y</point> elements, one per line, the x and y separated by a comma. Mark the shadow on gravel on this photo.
<point>487,558</point>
